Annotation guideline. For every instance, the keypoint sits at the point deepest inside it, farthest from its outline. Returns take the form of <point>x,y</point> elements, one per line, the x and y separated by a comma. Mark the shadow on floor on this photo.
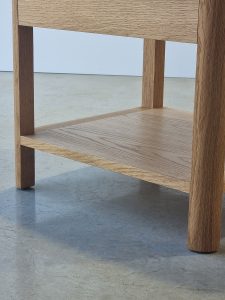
<point>114,218</point>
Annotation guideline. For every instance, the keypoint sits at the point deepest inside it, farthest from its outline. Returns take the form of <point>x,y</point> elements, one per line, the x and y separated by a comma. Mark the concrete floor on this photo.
<point>85,233</point>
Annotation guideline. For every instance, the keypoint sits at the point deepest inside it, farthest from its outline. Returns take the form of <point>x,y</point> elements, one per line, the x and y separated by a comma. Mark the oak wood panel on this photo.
<point>88,119</point>
<point>168,112</point>
<point>150,144</point>
<point>24,100</point>
<point>209,130</point>
<point>153,73</point>
<point>174,20</point>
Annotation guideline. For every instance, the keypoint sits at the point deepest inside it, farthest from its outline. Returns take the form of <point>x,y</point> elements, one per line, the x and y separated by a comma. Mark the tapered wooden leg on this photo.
<point>153,73</point>
<point>209,131</point>
<point>24,101</point>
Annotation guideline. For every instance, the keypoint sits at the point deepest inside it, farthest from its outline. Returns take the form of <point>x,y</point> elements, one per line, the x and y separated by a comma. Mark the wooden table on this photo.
<point>151,143</point>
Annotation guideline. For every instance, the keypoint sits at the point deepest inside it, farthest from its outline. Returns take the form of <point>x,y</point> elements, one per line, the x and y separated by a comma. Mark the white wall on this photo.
<point>72,52</point>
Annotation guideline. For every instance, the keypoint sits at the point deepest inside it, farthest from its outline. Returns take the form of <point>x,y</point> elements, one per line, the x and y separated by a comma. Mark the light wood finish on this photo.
<point>174,20</point>
<point>150,144</point>
<point>131,143</point>
<point>153,73</point>
<point>209,130</point>
<point>24,100</point>
<point>88,119</point>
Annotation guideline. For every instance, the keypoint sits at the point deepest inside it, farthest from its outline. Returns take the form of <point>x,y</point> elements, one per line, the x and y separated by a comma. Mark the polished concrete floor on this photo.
<point>85,233</point>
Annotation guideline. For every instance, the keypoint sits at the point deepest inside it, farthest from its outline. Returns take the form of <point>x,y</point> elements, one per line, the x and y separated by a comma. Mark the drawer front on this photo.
<point>174,20</point>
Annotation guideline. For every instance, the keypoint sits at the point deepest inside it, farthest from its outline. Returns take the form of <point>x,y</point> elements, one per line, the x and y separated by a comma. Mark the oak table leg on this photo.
<point>153,73</point>
<point>24,101</point>
<point>209,131</point>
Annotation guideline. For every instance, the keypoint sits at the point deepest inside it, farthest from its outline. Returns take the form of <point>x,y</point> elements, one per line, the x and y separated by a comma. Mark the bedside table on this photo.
<point>151,143</point>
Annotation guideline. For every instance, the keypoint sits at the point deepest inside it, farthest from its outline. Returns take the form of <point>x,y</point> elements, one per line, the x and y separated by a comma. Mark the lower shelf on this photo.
<point>150,144</point>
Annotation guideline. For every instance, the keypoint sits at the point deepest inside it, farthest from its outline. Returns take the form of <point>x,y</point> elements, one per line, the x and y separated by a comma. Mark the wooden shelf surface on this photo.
<point>150,144</point>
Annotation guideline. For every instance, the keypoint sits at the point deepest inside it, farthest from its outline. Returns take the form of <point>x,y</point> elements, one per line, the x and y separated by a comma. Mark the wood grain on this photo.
<point>209,130</point>
<point>174,20</point>
<point>24,100</point>
<point>133,143</point>
<point>88,119</point>
<point>153,73</point>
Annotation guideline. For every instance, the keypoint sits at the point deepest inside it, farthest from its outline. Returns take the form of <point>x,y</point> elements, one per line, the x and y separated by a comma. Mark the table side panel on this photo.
<point>174,20</point>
